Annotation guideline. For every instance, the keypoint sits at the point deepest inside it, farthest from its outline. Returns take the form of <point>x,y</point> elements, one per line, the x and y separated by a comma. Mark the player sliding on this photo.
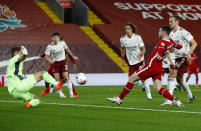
<point>19,86</point>
<point>133,46</point>
<point>153,68</point>
<point>181,57</point>
<point>55,54</point>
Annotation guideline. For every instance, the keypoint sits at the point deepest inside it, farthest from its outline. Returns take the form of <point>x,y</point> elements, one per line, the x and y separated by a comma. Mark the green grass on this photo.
<point>51,117</point>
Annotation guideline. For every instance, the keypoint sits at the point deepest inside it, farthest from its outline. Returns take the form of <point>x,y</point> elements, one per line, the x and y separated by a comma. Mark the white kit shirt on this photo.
<point>132,46</point>
<point>181,36</point>
<point>57,52</point>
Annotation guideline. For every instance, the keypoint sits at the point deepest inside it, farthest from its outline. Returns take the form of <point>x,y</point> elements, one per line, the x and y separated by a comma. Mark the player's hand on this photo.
<point>75,67</point>
<point>140,57</point>
<point>189,59</point>
<point>24,50</point>
<point>123,62</point>
<point>75,57</point>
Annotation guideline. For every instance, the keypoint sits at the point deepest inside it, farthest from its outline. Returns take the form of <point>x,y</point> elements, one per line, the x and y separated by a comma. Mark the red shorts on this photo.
<point>59,67</point>
<point>193,71</point>
<point>181,65</point>
<point>146,72</point>
<point>133,68</point>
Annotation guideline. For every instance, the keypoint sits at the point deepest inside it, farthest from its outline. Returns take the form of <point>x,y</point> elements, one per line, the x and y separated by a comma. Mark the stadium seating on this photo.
<point>37,34</point>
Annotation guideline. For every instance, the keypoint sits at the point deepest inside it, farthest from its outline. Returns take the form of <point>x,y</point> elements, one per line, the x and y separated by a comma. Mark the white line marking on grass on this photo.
<point>109,107</point>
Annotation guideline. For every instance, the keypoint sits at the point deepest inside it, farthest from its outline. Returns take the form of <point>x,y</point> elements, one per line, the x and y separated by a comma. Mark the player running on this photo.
<point>19,86</point>
<point>55,54</point>
<point>133,46</point>
<point>193,68</point>
<point>181,57</point>
<point>153,68</point>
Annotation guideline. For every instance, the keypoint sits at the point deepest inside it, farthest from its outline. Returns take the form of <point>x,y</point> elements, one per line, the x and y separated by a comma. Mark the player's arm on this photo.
<point>71,54</point>
<point>170,60</point>
<point>193,45</point>
<point>48,59</point>
<point>123,55</point>
<point>143,50</point>
<point>73,62</point>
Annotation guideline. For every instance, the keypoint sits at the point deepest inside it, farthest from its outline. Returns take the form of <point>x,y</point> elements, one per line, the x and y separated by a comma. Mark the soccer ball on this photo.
<point>81,78</point>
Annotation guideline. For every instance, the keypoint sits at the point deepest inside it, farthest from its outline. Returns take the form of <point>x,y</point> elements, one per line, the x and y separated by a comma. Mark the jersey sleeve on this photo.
<point>15,59</point>
<point>64,45</point>
<point>48,50</point>
<point>187,35</point>
<point>121,42</point>
<point>141,43</point>
<point>161,48</point>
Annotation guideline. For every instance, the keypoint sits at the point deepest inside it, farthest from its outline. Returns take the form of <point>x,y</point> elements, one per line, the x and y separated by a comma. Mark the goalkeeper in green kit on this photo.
<point>19,86</point>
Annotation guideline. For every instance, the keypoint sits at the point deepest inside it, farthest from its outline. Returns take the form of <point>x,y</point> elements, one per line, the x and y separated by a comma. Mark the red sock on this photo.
<point>47,86</point>
<point>126,90</point>
<point>166,94</point>
<point>74,91</point>
<point>196,81</point>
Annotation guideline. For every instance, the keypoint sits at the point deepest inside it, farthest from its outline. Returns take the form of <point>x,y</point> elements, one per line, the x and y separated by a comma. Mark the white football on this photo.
<point>81,78</point>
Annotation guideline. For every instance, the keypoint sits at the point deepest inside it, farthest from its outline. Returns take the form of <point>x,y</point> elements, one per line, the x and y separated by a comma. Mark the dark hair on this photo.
<point>55,33</point>
<point>177,18</point>
<point>133,27</point>
<point>14,49</point>
<point>166,29</point>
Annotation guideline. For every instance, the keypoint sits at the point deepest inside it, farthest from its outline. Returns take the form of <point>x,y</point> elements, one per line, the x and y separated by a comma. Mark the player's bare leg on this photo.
<point>118,100</point>
<point>188,77</point>
<point>185,86</point>
<point>166,93</point>
<point>197,79</point>
<point>69,84</point>
<point>171,85</point>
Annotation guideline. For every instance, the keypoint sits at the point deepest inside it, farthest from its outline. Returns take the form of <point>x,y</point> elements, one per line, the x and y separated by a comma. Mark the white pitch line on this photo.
<point>110,107</point>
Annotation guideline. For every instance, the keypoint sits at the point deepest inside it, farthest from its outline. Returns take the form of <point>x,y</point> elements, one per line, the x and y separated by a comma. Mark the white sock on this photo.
<point>187,89</point>
<point>147,89</point>
<point>171,86</point>
<point>70,87</point>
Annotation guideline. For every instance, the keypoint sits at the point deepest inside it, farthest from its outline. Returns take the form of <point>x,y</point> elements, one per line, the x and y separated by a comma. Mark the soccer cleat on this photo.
<point>116,100</point>
<point>196,86</point>
<point>143,89</point>
<point>75,95</point>
<point>177,102</point>
<point>45,92</point>
<point>59,85</point>
<point>190,100</point>
<point>61,94</point>
<point>28,105</point>
<point>167,103</point>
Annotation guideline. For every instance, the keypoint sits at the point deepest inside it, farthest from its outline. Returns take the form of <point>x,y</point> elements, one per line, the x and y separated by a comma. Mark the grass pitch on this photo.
<point>91,112</point>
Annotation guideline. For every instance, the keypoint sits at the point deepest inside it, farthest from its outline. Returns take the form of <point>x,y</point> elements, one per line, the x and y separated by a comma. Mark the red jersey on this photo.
<point>160,51</point>
<point>195,63</point>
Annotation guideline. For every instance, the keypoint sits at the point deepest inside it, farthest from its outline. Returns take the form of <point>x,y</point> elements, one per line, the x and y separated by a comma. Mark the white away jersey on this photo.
<point>181,36</point>
<point>132,46</point>
<point>57,52</point>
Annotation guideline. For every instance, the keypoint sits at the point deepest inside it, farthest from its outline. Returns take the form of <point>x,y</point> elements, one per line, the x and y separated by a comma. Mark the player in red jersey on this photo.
<point>153,68</point>
<point>193,68</point>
